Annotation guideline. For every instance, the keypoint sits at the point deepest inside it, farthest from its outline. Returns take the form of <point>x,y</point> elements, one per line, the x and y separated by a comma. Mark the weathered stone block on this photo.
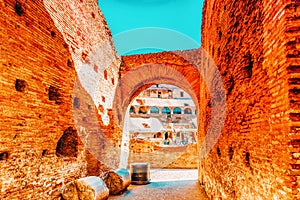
<point>88,188</point>
<point>117,181</point>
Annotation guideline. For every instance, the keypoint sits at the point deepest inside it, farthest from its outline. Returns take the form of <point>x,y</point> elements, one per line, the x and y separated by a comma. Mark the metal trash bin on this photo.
<point>140,173</point>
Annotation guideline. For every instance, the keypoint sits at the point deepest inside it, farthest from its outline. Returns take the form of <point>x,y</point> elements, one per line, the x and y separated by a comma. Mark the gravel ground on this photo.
<point>165,184</point>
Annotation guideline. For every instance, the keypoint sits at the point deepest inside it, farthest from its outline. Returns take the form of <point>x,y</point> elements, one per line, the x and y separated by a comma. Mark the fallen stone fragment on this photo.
<point>88,188</point>
<point>117,181</point>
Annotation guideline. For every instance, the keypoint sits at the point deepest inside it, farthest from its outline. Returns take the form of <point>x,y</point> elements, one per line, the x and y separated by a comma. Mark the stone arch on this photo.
<point>143,110</point>
<point>154,110</point>
<point>177,110</point>
<point>188,111</point>
<point>166,110</point>
<point>139,72</point>
<point>136,78</point>
<point>150,74</point>
<point>191,71</point>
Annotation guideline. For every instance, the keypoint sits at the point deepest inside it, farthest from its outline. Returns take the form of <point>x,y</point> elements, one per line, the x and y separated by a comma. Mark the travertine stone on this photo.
<point>117,181</point>
<point>87,188</point>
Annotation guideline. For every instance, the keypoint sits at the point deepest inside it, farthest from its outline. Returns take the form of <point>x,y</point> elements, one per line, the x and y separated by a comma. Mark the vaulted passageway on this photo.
<point>62,78</point>
<point>184,69</point>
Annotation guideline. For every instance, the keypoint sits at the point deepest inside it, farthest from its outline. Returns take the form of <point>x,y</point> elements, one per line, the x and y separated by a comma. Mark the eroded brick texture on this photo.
<point>292,31</point>
<point>53,53</point>
<point>254,45</point>
<point>96,62</point>
<point>89,41</point>
<point>183,157</point>
<point>41,143</point>
<point>141,71</point>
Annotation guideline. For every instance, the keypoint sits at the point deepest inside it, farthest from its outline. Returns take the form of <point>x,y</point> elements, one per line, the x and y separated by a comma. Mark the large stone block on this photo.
<point>117,180</point>
<point>88,188</point>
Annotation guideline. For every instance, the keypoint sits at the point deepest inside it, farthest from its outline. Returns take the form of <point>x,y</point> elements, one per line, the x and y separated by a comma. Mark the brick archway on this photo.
<point>192,71</point>
<point>138,72</point>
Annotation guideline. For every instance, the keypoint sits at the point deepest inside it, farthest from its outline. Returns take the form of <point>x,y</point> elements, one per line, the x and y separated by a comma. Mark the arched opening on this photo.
<point>154,110</point>
<point>67,145</point>
<point>166,143</point>
<point>137,75</point>
<point>132,110</point>
<point>188,111</point>
<point>134,82</point>
<point>177,110</point>
<point>161,138</point>
<point>166,110</point>
<point>143,110</point>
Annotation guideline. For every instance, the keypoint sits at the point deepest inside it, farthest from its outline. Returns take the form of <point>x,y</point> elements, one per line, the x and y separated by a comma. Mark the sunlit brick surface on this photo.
<point>46,109</point>
<point>40,149</point>
<point>255,46</point>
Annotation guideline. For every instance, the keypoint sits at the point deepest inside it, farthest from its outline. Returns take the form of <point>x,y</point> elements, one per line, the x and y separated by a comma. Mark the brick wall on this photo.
<point>141,71</point>
<point>174,157</point>
<point>292,33</point>
<point>59,77</point>
<point>49,49</point>
<point>253,43</point>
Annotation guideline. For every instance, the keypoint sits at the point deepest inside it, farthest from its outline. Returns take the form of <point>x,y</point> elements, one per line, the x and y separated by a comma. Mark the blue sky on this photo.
<point>141,26</point>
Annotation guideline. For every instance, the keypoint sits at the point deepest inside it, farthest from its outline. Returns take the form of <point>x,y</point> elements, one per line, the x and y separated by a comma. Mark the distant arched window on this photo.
<point>154,110</point>
<point>177,110</point>
<point>166,110</point>
<point>131,110</point>
<point>143,110</point>
<point>187,111</point>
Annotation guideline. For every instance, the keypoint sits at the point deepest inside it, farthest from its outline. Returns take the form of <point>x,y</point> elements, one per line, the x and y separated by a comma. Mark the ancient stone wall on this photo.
<point>141,71</point>
<point>173,157</point>
<point>292,34</point>
<point>50,51</point>
<point>254,45</point>
<point>60,73</point>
